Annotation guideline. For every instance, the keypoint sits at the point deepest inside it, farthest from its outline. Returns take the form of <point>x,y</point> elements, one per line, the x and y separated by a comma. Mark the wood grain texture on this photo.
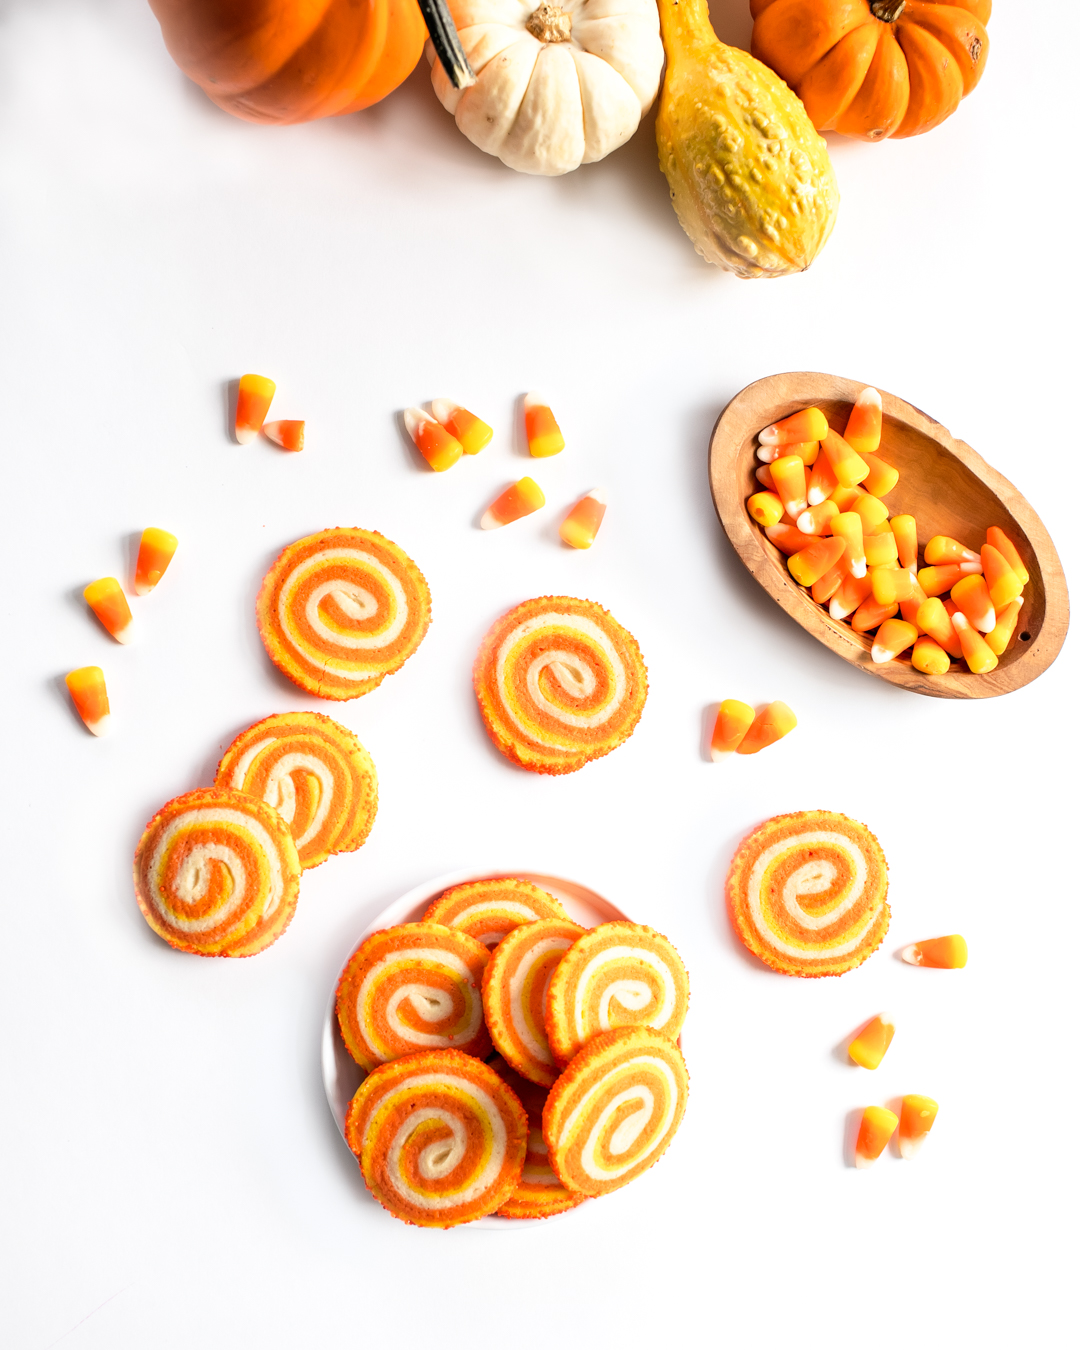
<point>944,484</point>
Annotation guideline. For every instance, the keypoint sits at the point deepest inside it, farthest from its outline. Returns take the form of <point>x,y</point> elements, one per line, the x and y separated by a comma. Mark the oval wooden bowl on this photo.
<point>944,484</point>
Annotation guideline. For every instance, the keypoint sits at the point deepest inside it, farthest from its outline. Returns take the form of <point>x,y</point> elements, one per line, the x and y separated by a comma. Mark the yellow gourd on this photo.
<point>750,178</point>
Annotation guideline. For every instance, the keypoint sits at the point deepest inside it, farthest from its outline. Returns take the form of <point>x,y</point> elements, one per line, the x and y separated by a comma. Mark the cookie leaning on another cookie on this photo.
<point>488,910</point>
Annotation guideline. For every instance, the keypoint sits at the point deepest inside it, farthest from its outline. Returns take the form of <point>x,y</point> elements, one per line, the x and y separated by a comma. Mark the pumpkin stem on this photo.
<point>447,44</point>
<point>888,11</point>
<point>549,23</point>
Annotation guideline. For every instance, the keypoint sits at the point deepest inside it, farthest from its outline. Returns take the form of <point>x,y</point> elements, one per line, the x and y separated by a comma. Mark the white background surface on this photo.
<point>171,1173</point>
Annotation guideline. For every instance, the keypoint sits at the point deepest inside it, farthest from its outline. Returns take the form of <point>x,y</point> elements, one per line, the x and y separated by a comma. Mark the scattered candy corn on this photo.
<point>87,689</point>
<point>541,430</point>
<point>156,549</point>
<point>846,497</point>
<point>826,586</point>
<point>933,618</point>
<point>441,450</point>
<point>943,953</point>
<point>872,512</point>
<point>847,525</point>
<point>110,605</point>
<point>769,726</point>
<point>978,655</point>
<point>882,477</point>
<point>875,1131</point>
<point>289,435</point>
<point>464,426</point>
<point>765,507</point>
<point>733,720</point>
<point>816,559</point>
<point>869,1046</point>
<point>928,657</point>
<point>789,475</point>
<point>863,430</point>
<point>787,538</point>
<point>253,399</point>
<point>891,584</point>
<point>871,615</point>
<point>1000,638</point>
<point>893,637</point>
<point>907,541</point>
<point>1001,581</point>
<point>822,483</point>
<point>938,580</point>
<point>806,450</point>
<point>849,467</point>
<point>850,595</point>
<point>764,476</point>
<point>880,549</point>
<point>998,539</point>
<point>817,519</point>
<point>580,526</point>
<point>809,424</point>
<point>972,599</point>
<point>917,1116</point>
<point>520,499</point>
<point>942,549</point>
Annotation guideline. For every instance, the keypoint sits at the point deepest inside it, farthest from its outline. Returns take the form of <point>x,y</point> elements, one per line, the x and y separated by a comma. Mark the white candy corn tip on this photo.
<point>880,654</point>
<point>770,436</point>
<point>414,419</point>
<point>598,495</point>
<point>910,955</point>
<point>909,1148</point>
<point>838,610</point>
<point>805,522</point>
<point>245,435</point>
<point>858,569</point>
<point>861,1160</point>
<point>102,726</point>
<point>718,756</point>
<point>960,623</point>
<point>767,453</point>
<point>489,520</point>
<point>535,400</point>
<point>869,398</point>
<point>971,569</point>
<point>986,623</point>
<point>442,409</point>
<point>126,634</point>
<point>140,588</point>
<point>816,496</point>
<point>795,508</point>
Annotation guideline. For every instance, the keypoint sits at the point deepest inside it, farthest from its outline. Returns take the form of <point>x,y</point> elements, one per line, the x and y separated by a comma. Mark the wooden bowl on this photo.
<point>944,484</point>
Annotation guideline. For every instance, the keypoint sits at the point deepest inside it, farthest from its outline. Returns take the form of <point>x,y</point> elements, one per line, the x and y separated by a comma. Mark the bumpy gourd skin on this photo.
<point>750,178</point>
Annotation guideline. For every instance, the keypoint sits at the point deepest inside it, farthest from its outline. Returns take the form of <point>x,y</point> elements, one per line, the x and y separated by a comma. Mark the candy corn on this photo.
<point>928,657</point>
<point>289,435</point>
<point>933,618</point>
<point>871,512</point>
<point>464,426</point>
<point>850,595</point>
<point>806,450</point>
<point>849,467</point>
<point>733,720</point>
<point>942,549</point>
<point>875,1131</point>
<point>808,425</point>
<point>764,476</point>
<point>917,1116</point>
<point>846,497</point>
<point>909,608</point>
<point>882,477</point>
<point>938,580</point>
<point>1001,581</point>
<point>907,542</point>
<point>869,1046</point>
<point>817,519</point>
<point>998,539</point>
<point>110,605</point>
<point>441,450</point>
<point>816,559</point>
<point>541,430</point>
<point>871,615</point>
<point>822,483</point>
<point>847,525</point>
<point>863,430</point>
<point>520,499</point>
<point>880,549</point>
<point>979,657</point>
<point>580,526</point>
<point>999,639</point>
<point>253,398</point>
<point>789,475</point>
<point>971,597</point>
<point>765,507</point>
<point>826,586</point>
<point>943,953</point>
<point>893,637</point>
<point>787,538</point>
<point>156,549</point>
<point>87,689</point>
<point>769,726</point>
<point>891,584</point>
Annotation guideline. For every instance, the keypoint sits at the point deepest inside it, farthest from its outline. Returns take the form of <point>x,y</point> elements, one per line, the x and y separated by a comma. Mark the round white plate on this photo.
<point>341,1073</point>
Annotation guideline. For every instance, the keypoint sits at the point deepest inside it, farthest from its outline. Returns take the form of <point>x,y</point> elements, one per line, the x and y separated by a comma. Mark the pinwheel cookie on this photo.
<point>440,1137</point>
<point>515,989</point>
<point>807,893</point>
<point>341,609</point>
<point>217,873</point>
<point>488,910</point>
<point>413,987</point>
<point>614,1109</point>
<point>618,974</point>
<point>540,1193</point>
<point>559,683</point>
<point>314,772</point>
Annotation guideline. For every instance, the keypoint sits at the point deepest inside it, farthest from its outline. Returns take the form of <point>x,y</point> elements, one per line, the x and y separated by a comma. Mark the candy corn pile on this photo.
<point>821,504</point>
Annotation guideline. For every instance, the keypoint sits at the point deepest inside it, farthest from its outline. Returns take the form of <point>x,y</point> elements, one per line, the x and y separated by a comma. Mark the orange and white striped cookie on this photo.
<point>540,1193</point>
<point>617,974</point>
<point>559,683</point>
<point>413,987</point>
<point>341,609</point>
<point>515,992</point>
<point>217,873</point>
<point>440,1137</point>
<point>614,1109</point>
<point>488,910</point>
<point>314,772</point>
<point>807,893</point>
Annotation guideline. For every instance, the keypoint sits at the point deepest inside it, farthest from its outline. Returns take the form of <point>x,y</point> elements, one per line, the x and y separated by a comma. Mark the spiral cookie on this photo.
<point>559,683</point>
<point>540,1193</point>
<point>515,990</point>
<point>341,609</point>
<point>614,1109</point>
<point>413,987</point>
<point>440,1138</point>
<point>488,910</point>
<point>618,974</point>
<point>314,772</point>
<point>217,873</point>
<point>807,893</point>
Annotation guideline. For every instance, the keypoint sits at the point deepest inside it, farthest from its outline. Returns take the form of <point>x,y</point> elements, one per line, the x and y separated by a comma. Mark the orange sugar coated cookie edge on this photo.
<point>452,906</point>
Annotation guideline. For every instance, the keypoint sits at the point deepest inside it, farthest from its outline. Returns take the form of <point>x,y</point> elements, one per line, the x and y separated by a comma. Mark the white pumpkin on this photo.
<point>557,85</point>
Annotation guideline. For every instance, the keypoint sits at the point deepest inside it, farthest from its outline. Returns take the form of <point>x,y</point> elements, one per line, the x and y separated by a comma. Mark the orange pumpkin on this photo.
<point>874,68</point>
<point>293,60</point>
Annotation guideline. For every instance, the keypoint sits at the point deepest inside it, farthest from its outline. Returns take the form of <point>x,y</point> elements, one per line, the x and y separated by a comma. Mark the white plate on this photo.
<point>341,1073</point>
